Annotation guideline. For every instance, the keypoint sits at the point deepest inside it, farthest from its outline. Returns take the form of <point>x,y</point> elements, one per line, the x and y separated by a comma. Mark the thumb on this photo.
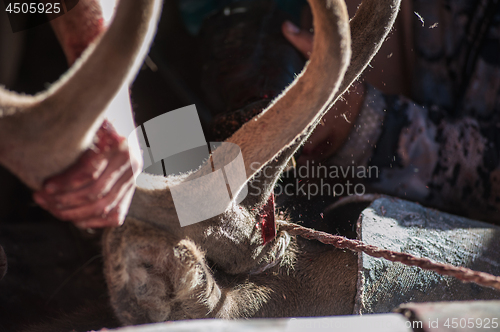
<point>301,39</point>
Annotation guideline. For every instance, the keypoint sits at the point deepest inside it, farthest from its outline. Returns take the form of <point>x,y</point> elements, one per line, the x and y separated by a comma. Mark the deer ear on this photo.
<point>305,100</point>
<point>62,120</point>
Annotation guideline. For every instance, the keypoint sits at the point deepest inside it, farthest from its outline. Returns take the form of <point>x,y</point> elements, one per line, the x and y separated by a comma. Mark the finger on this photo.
<point>100,207</point>
<point>111,220</point>
<point>115,218</point>
<point>88,168</point>
<point>117,166</point>
<point>90,164</point>
<point>97,223</point>
<point>301,39</point>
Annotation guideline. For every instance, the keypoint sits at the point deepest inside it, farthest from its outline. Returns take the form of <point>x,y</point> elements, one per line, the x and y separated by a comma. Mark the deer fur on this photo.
<point>157,270</point>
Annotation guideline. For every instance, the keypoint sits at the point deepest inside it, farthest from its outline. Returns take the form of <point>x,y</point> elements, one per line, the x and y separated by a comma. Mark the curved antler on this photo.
<point>369,28</point>
<point>298,107</point>
<point>42,134</point>
<point>272,137</point>
<point>308,97</point>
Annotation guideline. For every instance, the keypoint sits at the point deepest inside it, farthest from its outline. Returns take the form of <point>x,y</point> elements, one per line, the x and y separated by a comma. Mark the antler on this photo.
<point>369,28</point>
<point>308,97</point>
<point>288,121</point>
<point>272,137</point>
<point>41,135</point>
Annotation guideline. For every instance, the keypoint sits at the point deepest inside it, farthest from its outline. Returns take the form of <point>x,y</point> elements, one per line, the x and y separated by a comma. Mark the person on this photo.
<point>96,191</point>
<point>436,140</point>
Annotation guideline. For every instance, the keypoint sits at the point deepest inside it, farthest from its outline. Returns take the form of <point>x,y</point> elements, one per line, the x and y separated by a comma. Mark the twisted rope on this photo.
<point>461,273</point>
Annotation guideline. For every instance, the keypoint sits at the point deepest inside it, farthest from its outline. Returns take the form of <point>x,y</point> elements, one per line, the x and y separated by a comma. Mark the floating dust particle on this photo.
<point>150,64</point>
<point>420,18</point>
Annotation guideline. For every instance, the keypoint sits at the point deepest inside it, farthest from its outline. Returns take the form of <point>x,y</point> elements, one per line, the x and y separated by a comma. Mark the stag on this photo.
<point>223,267</point>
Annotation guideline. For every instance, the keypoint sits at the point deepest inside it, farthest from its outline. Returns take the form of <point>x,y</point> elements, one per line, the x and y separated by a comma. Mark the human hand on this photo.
<point>97,189</point>
<point>338,122</point>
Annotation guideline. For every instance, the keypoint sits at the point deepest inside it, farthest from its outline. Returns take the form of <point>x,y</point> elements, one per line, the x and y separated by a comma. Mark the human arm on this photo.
<point>96,190</point>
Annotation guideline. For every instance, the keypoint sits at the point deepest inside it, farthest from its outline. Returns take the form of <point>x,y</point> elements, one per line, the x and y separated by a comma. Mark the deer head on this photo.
<point>43,134</point>
<point>231,240</point>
